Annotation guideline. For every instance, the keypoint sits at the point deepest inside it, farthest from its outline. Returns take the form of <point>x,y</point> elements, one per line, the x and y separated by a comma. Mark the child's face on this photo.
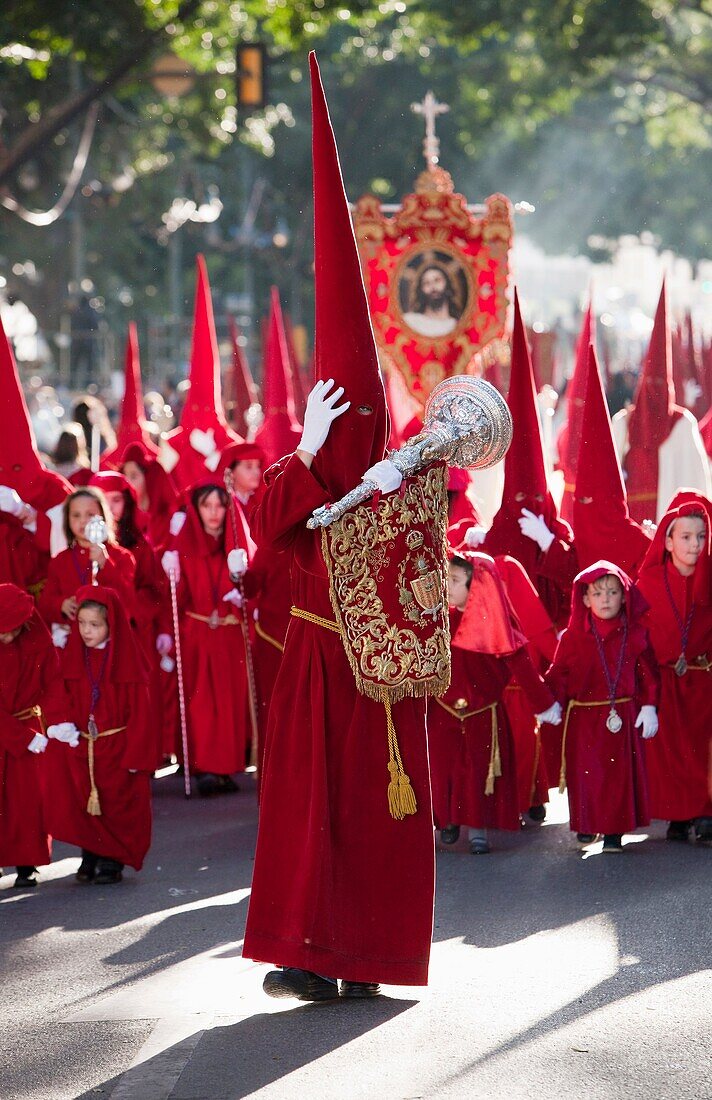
<point>247,475</point>
<point>116,504</point>
<point>80,512</point>
<point>8,636</point>
<point>686,542</point>
<point>133,473</point>
<point>457,586</point>
<point>212,513</point>
<point>93,627</point>
<point>604,597</point>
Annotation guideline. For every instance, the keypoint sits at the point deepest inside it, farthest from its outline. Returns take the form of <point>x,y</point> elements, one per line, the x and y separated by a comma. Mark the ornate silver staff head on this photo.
<point>468,422</point>
<point>96,531</point>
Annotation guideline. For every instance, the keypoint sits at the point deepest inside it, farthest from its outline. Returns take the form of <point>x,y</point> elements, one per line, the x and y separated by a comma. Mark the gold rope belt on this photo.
<point>261,633</point>
<point>495,763</point>
<point>229,620</point>
<point>401,796</point>
<point>577,703</point>
<point>93,804</point>
<point>31,712</point>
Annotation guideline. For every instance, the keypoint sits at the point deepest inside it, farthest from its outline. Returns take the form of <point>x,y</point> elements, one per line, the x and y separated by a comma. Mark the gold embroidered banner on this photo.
<point>387,569</point>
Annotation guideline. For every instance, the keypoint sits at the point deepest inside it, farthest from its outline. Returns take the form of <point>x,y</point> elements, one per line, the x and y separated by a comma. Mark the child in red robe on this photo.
<point>472,757</point>
<point>675,580</point>
<point>73,567</point>
<point>98,791</point>
<point>155,492</point>
<point>213,646</point>
<point>31,697</point>
<point>604,673</point>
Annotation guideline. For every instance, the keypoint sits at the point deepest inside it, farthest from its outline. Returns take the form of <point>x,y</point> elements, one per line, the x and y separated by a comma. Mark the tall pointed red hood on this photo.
<point>240,388</point>
<point>652,418</point>
<point>570,434</point>
<point>279,433</point>
<point>132,425</point>
<point>602,525</point>
<point>344,345</point>
<point>20,464</point>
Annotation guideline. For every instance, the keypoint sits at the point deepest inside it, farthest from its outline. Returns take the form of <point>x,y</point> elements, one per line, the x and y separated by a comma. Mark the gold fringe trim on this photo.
<point>576,703</point>
<point>267,637</point>
<point>93,803</point>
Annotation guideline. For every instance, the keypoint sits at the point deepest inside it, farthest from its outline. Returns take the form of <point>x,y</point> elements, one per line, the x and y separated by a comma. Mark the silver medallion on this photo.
<point>214,620</point>
<point>614,722</point>
<point>681,665</point>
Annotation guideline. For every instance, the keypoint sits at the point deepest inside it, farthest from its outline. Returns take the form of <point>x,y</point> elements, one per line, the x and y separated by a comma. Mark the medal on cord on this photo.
<point>92,728</point>
<point>681,666</point>
<point>614,722</point>
<point>214,618</point>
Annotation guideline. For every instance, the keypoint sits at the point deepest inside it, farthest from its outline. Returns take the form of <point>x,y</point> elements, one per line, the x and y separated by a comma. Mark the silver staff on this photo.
<point>96,532</point>
<point>467,423</point>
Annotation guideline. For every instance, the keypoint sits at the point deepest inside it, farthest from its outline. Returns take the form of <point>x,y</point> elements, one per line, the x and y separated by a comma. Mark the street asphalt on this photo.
<point>555,974</point>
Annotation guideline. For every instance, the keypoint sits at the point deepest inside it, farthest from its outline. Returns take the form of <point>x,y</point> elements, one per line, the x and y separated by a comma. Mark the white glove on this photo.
<point>60,634</point>
<point>171,564</point>
<point>38,744</point>
<point>386,476</point>
<point>475,536</point>
<point>552,716</point>
<point>175,525</point>
<point>233,597</point>
<point>533,527</point>
<point>10,501</point>
<point>320,413</point>
<point>237,562</point>
<point>692,390</point>
<point>213,461</point>
<point>203,442</point>
<point>648,719</point>
<point>164,644</point>
<point>66,732</point>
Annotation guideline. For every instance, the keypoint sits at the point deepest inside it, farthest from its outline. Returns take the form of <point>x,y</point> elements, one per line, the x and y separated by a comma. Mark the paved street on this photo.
<point>552,976</point>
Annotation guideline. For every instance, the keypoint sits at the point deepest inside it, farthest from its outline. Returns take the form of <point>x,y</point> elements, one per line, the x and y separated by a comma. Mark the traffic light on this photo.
<point>251,75</point>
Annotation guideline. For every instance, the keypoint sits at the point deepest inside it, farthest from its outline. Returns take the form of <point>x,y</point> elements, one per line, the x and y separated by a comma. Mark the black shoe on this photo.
<point>537,813</point>
<point>585,838</point>
<point>108,872</point>
<point>227,785</point>
<point>703,828</point>
<point>25,878</point>
<point>450,834</point>
<point>359,989</point>
<point>678,830</point>
<point>612,842</point>
<point>87,868</point>
<point>479,846</point>
<point>208,784</point>
<point>302,984</point>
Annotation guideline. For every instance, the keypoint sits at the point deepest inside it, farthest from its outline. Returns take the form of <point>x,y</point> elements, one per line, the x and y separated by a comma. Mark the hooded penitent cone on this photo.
<point>20,464</point>
<point>344,345</point>
<point>652,418</point>
<point>132,425</point>
<point>203,411</point>
<point>602,525</point>
<point>279,433</point>
<point>570,435</point>
<point>240,388</point>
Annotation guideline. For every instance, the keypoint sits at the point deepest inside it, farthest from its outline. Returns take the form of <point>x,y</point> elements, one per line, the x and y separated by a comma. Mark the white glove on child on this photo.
<point>385,474</point>
<point>60,634</point>
<point>175,525</point>
<point>66,732</point>
<point>38,744</point>
<point>475,536</point>
<point>10,501</point>
<point>171,564</point>
<point>233,597</point>
<point>319,415</point>
<point>648,719</point>
<point>237,562</point>
<point>552,716</point>
<point>533,527</point>
<point>164,643</point>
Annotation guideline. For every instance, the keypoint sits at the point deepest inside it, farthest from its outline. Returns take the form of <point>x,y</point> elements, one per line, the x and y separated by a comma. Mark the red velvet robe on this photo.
<point>123,830</point>
<point>29,676</point>
<point>605,772</point>
<point>150,584</point>
<point>678,758</point>
<point>461,751</point>
<point>21,560</point>
<point>72,568</point>
<point>339,886</point>
<point>214,671</point>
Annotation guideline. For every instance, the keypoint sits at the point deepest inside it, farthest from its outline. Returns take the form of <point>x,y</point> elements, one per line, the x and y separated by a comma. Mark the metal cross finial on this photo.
<point>430,109</point>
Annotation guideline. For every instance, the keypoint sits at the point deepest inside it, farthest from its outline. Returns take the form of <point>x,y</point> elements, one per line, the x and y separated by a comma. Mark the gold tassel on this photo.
<point>495,765</point>
<point>93,803</point>
<point>401,796</point>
